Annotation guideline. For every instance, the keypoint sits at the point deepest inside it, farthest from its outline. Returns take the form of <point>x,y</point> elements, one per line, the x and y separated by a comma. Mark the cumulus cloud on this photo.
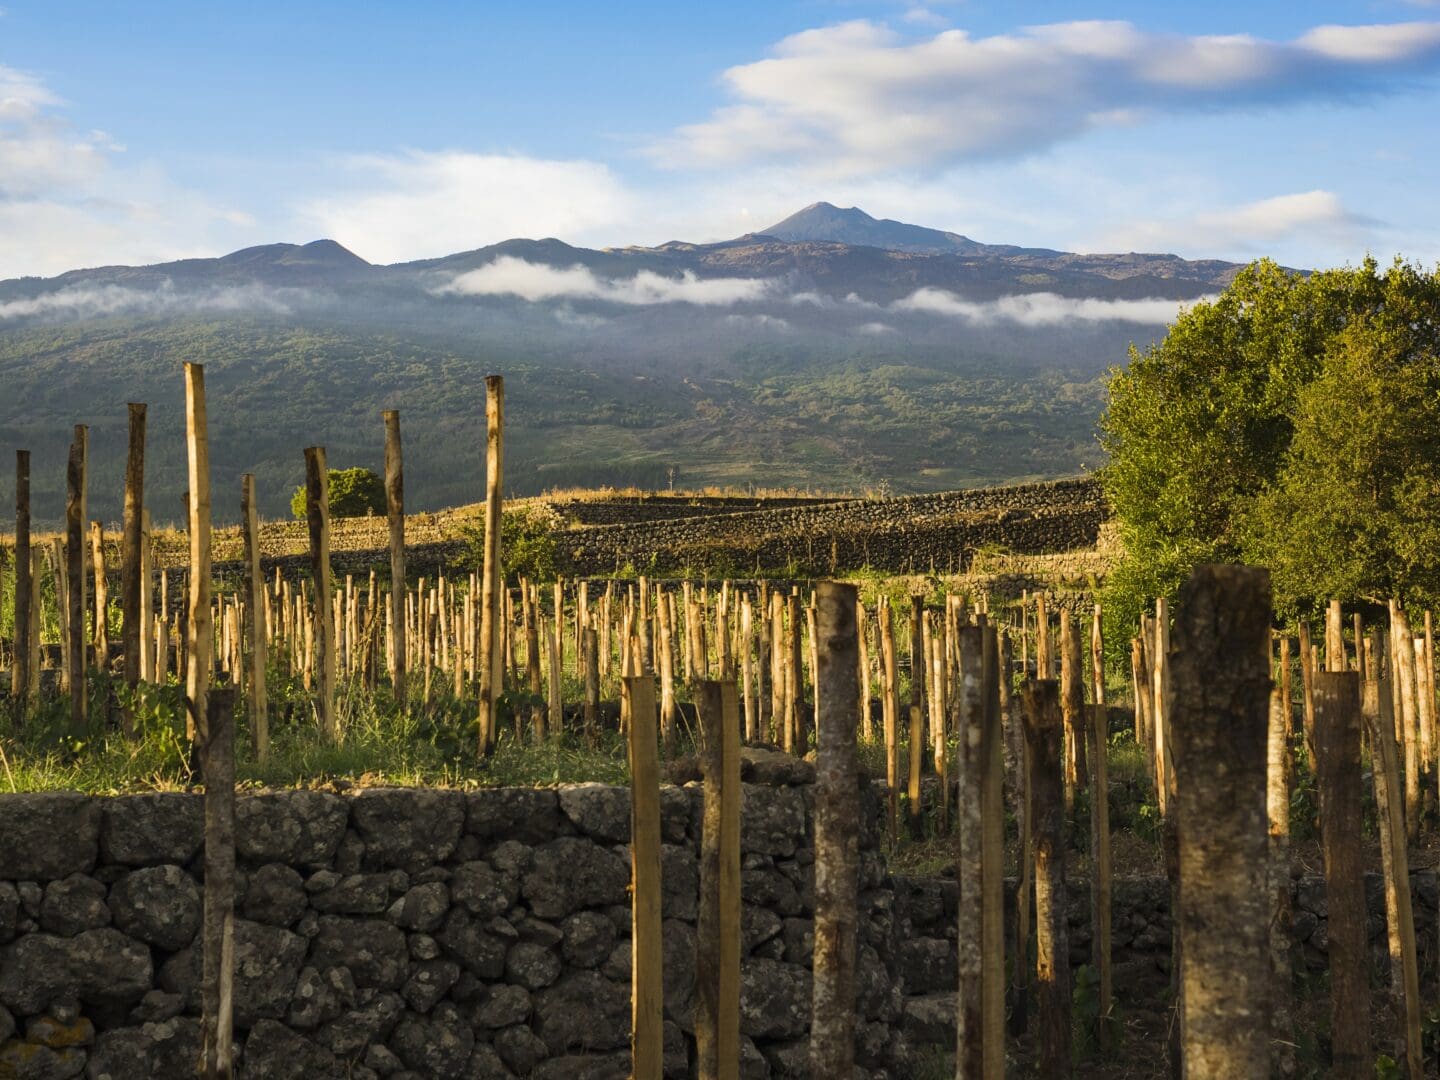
<point>1039,309</point>
<point>511,276</point>
<point>876,329</point>
<point>1251,227</point>
<point>417,204</point>
<point>96,301</point>
<point>859,98</point>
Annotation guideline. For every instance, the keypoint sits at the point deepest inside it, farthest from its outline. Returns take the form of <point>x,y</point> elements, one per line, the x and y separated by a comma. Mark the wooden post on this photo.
<point>1221,664</point>
<point>1395,863</point>
<point>133,582</point>
<point>1072,704</point>
<point>395,517</point>
<point>1277,809</point>
<point>317,513</point>
<point>747,675</point>
<point>917,756</point>
<point>591,714</point>
<point>1024,813</point>
<point>217,762</point>
<point>100,638</point>
<point>1307,683</point>
<point>867,727</point>
<point>255,607</point>
<point>555,703</point>
<point>22,675</point>
<point>991,767</point>
<point>199,626</point>
<point>890,711</point>
<point>717,926</point>
<point>647,998</point>
<point>837,830</point>
<point>1337,744</point>
<point>1160,705</point>
<point>665,608</point>
<point>75,578</point>
<point>1097,767</point>
<point>490,657</point>
<point>1402,658</point>
<point>1334,638</point>
<point>1044,738</point>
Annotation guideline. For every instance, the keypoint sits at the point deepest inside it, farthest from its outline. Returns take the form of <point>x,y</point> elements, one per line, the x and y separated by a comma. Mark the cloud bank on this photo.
<point>1040,309</point>
<point>1251,227</point>
<point>510,276</point>
<point>98,301</point>
<point>860,98</point>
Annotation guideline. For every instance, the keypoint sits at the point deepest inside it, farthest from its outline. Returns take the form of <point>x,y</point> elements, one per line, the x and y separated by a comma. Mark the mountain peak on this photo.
<point>825,222</point>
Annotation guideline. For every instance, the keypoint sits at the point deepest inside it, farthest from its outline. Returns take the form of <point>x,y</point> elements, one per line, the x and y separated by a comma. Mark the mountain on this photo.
<point>829,223</point>
<point>832,349</point>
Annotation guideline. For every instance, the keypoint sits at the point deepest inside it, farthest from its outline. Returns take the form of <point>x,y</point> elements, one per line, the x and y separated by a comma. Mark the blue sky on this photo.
<point>147,131</point>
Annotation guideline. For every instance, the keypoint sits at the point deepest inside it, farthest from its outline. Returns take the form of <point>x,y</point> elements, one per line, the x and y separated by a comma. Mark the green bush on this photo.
<point>353,493</point>
<point>527,545</point>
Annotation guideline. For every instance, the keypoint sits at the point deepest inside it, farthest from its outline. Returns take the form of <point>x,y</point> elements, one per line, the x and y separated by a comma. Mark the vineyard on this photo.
<point>726,785</point>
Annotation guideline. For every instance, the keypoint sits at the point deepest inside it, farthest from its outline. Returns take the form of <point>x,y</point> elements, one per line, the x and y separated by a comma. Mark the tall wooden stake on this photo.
<point>255,609</point>
<point>217,762</point>
<point>1044,738</point>
<point>132,582</point>
<point>199,625</point>
<point>75,575</point>
<point>395,518</point>
<point>717,925</point>
<point>22,675</point>
<point>490,655</point>
<point>317,514</point>
<point>647,998</point>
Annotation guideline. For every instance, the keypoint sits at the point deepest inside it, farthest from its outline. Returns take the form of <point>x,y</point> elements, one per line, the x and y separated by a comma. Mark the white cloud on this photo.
<point>510,276</point>
<point>1039,309</point>
<point>758,322</point>
<point>859,98</point>
<point>1252,227</point>
<point>418,204</point>
<point>876,329</point>
<point>97,301</point>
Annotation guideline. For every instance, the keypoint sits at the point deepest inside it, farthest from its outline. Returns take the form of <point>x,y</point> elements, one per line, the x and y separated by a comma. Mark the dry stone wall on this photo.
<point>409,933</point>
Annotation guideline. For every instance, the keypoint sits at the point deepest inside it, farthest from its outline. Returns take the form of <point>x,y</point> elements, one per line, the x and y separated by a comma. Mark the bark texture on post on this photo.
<point>837,831</point>
<point>255,608</point>
<point>1220,662</point>
<point>317,514</point>
<point>1044,738</point>
<point>395,518</point>
<point>21,674</point>
<point>75,575</point>
<point>1337,746</point>
<point>717,923</point>
<point>199,624</point>
<point>647,998</point>
<point>490,656</point>
<point>217,758</point>
<point>1277,806</point>
<point>132,581</point>
<point>100,637</point>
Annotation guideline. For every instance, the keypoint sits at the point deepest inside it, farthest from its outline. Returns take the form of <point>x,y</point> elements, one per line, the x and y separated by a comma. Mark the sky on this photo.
<point>142,132</point>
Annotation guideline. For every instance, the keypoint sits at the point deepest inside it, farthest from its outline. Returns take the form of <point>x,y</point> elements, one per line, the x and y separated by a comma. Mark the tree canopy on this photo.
<point>1292,422</point>
<point>353,493</point>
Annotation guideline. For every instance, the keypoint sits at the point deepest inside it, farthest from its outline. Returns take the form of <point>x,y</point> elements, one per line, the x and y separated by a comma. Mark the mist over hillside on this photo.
<point>832,350</point>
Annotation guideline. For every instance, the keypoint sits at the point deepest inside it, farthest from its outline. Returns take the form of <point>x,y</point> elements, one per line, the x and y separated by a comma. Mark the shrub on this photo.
<point>353,493</point>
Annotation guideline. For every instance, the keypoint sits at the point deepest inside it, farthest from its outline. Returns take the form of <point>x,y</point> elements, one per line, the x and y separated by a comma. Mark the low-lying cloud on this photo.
<point>511,276</point>
<point>97,301</point>
<point>1040,309</point>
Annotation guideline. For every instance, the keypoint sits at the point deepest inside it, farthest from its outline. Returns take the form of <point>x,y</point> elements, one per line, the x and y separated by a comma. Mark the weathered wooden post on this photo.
<point>1337,745</point>
<point>717,924</point>
<point>1072,704</point>
<point>1097,766</point>
<point>915,810</point>
<point>490,656</point>
<point>199,625</point>
<point>255,606</point>
<point>890,711</point>
<point>647,998</point>
<point>75,577</point>
<point>395,517</point>
<point>133,582</point>
<point>1044,738</point>
<point>1221,665</point>
<point>1277,809</point>
<point>217,764</point>
<point>22,676</point>
<point>317,514</point>
<point>555,706</point>
<point>837,830</point>
<point>591,709</point>
<point>100,636</point>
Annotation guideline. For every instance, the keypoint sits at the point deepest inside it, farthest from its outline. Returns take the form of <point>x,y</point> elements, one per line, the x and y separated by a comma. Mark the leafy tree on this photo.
<point>528,547</point>
<point>353,493</point>
<point>1225,439</point>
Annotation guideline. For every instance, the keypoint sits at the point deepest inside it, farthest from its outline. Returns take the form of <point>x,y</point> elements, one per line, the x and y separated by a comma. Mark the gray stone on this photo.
<point>356,894</point>
<point>274,1052</point>
<point>753,1065</point>
<point>423,947</point>
<point>769,888</point>
<point>146,830</point>
<point>773,820</point>
<point>348,1034</point>
<point>674,814</point>
<point>160,905</point>
<point>584,1067</point>
<point>571,873</point>
<point>512,857</point>
<point>521,1049</point>
<point>101,967</point>
<point>375,952</point>
<point>31,894</point>
<point>539,932</point>
<point>774,999</point>
<point>411,828</point>
<point>381,1060</point>
<point>422,908</point>
<point>588,938</point>
<point>485,1064</point>
<point>583,1011</point>
<point>677,941</point>
<point>59,1034</point>
<point>438,1045</point>
<point>482,890</point>
<point>48,835</point>
<point>320,997</point>
<point>156,1006</point>
<point>275,895</point>
<point>502,1006</point>
<point>618,965</point>
<point>429,982</point>
<point>466,939</point>
<point>928,965</point>
<point>300,828</point>
<point>9,911</point>
<point>31,1061</point>
<point>798,936</point>
<point>267,969</point>
<point>598,810</point>
<point>757,926</point>
<point>679,882</point>
<point>7,1024</point>
<point>162,1049</point>
<point>523,814</point>
<point>761,765</point>
<point>532,966</point>
<point>930,1019</point>
<point>73,904</point>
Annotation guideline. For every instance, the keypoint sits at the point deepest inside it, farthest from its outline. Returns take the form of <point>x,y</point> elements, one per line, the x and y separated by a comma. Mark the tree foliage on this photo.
<point>1293,422</point>
<point>528,547</point>
<point>353,493</point>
